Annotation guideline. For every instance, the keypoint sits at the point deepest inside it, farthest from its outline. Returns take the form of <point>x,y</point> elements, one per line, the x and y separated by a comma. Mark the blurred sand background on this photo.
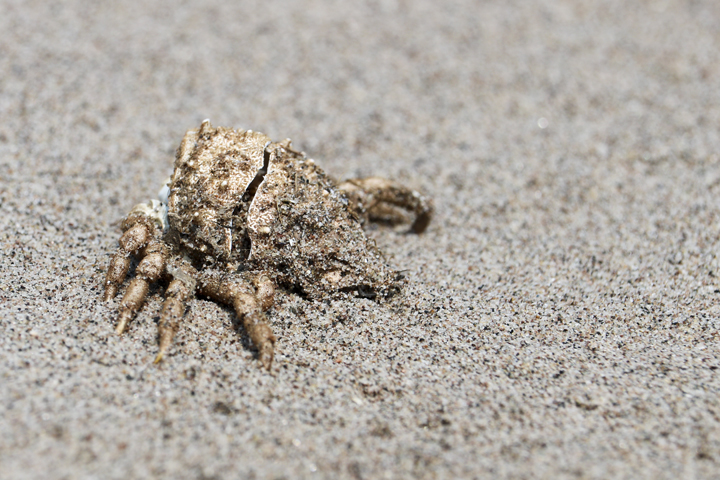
<point>561,316</point>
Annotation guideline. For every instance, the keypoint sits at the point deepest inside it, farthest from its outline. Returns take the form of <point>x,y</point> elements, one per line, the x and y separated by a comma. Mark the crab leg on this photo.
<point>180,291</point>
<point>249,303</point>
<point>178,295</point>
<point>374,197</point>
<point>130,242</point>
<point>147,272</point>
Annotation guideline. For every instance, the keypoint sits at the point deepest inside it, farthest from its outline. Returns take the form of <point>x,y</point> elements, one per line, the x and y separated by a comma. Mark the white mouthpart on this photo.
<point>164,192</point>
<point>154,210</point>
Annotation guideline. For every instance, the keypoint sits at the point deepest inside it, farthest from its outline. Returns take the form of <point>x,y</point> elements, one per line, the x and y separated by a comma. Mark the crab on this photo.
<point>242,216</point>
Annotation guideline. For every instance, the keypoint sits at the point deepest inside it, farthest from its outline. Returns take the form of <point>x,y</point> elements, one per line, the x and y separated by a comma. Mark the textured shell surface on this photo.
<point>240,202</point>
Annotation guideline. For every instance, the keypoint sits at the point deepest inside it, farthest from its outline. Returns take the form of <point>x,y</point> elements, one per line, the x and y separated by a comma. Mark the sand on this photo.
<point>561,314</point>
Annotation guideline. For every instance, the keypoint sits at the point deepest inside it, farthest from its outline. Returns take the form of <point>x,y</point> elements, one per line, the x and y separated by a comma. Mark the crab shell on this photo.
<point>241,202</point>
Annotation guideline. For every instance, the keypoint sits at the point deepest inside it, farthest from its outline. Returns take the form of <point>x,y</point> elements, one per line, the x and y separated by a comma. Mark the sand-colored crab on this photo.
<point>241,216</point>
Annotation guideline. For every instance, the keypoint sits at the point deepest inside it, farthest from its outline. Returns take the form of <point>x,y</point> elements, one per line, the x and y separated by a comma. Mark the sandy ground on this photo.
<point>561,313</point>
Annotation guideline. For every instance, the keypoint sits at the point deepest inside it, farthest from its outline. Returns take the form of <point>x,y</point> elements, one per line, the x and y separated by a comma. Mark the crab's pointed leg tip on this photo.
<point>122,322</point>
<point>162,348</point>
<point>266,359</point>
<point>421,223</point>
<point>110,292</point>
